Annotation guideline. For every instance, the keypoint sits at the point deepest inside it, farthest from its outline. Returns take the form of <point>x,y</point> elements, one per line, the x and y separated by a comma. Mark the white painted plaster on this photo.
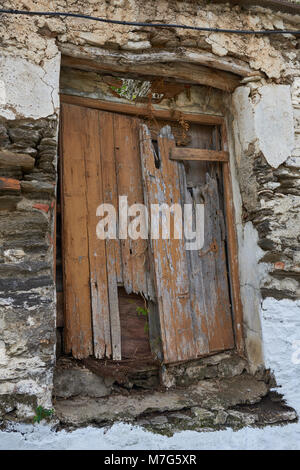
<point>266,121</point>
<point>2,93</point>
<point>28,90</point>
<point>274,123</point>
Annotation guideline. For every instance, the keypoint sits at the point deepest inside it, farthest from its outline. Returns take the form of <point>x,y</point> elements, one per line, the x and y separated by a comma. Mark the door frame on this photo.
<point>232,244</point>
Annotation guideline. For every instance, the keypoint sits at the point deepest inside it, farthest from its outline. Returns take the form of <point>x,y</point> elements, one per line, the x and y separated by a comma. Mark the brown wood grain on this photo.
<point>97,247</point>
<point>101,162</point>
<point>185,153</point>
<point>78,328</point>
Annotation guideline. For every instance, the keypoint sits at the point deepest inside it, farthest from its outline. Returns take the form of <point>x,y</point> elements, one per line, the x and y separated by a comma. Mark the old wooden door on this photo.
<point>106,155</point>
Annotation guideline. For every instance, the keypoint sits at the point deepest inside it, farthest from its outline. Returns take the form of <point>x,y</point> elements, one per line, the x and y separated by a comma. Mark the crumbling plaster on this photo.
<point>264,118</point>
<point>263,126</point>
<point>29,90</point>
<point>32,38</point>
<point>29,86</point>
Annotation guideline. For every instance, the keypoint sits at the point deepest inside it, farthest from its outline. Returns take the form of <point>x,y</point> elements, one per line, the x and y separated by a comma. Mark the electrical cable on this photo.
<point>149,25</point>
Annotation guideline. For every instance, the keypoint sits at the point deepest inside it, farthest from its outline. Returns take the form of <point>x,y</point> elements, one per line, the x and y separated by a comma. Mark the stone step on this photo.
<point>213,395</point>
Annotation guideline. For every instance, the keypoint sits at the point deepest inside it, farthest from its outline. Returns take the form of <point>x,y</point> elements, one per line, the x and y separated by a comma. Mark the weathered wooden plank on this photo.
<point>129,183</point>
<point>116,60</point>
<point>113,255</point>
<point>207,273</point>
<point>232,250</point>
<point>214,271</point>
<point>185,153</point>
<point>9,186</point>
<point>196,276</point>
<point>187,73</point>
<point>161,185</point>
<point>233,261</point>
<point>141,110</point>
<point>97,249</point>
<point>78,328</point>
<point>16,160</point>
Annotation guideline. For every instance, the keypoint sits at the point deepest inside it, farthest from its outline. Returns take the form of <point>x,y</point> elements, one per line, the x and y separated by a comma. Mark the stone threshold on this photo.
<point>206,405</point>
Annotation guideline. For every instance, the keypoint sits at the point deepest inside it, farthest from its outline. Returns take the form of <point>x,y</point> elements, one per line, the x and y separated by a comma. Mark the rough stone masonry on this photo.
<point>263,116</point>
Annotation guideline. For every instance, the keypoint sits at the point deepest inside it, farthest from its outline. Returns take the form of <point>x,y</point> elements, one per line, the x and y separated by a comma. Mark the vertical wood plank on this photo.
<point>196,276</point>
<point>213,256</point>
<point>97,248</point>
<point>129,183</point>
<point>78,329</point>
<point>113,256</point>
<point>162,186</point>
<point>233,251</point>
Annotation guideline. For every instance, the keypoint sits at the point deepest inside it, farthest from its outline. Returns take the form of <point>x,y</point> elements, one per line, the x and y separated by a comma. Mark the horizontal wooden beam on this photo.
<point>141,110</point>
<point>185,73</point>
<point>184,153</point>
<point>154,59</point>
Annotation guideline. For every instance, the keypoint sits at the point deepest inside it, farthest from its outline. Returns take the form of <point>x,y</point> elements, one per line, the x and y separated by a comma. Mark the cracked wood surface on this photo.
<point>125,61</point>
<point>162,187</point>
<point>101,161</point>
<point>78,328</point>
<point>202,324</point>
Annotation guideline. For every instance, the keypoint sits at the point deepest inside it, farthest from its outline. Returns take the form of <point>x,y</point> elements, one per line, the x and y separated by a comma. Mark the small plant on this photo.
<point>144,311</point>
<point>42,413</point>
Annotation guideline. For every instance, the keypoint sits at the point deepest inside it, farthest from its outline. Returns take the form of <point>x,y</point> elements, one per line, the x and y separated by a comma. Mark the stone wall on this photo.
<point>28,154</point>
<point>265,162</point>
<point>27,302</point>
